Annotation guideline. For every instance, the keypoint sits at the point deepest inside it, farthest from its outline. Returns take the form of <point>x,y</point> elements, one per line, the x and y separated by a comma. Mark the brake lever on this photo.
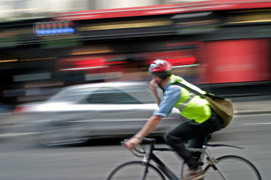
<point>126,150</point>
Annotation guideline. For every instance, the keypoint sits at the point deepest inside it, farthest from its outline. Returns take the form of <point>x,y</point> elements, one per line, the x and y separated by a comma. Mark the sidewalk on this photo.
<point>252,107</point>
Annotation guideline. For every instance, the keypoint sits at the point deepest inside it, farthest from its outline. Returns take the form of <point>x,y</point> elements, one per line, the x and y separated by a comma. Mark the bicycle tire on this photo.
<point>134,170</point>
<point>234,167</point>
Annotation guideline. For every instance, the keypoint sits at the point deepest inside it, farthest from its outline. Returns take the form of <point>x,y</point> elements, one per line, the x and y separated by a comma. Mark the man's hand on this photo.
<point>153,85</point>
<point>131,143</point>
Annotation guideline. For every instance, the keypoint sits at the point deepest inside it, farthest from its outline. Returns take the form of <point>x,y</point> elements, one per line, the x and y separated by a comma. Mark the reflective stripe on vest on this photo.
<point>184,104</point>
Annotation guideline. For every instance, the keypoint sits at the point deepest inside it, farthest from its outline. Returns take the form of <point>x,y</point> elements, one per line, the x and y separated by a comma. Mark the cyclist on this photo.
<point>202,119</point>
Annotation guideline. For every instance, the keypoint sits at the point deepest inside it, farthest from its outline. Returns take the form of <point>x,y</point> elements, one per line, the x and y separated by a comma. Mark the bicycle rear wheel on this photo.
<point>135,170</point>
<point>233,167</point>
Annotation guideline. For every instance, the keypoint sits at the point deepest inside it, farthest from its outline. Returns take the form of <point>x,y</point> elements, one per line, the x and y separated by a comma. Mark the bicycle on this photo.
<point>227,167</point>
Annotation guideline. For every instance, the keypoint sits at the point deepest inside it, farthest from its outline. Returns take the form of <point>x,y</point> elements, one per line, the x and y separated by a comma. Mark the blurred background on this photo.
<point>46,45</point>
<point>223,46</point>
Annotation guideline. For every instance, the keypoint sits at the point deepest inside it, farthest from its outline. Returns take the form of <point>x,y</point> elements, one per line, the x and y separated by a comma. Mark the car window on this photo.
<point>143,95</point>
<point>108,95</point>
<point>70,95</point>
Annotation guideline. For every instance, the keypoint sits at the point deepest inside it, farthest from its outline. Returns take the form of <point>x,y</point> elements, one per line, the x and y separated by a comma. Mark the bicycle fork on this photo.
<point>145,163</point>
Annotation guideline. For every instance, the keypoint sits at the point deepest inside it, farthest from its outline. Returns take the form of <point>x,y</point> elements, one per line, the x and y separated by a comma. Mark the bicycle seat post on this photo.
<point>206,139</point>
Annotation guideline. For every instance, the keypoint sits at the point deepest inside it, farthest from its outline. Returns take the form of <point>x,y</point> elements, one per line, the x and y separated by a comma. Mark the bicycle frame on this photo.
<point>161,166</point>
<point>166,171</point>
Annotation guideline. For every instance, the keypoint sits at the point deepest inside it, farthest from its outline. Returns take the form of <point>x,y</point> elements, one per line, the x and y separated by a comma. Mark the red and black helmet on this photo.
<point>160,68</point>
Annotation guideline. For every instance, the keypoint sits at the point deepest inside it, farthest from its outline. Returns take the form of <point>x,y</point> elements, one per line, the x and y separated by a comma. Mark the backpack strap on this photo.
<point>190,89</point>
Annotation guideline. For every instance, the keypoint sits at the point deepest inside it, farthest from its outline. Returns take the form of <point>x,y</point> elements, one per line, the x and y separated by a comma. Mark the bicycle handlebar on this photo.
<point>145,140</point>
<point>140,150</point>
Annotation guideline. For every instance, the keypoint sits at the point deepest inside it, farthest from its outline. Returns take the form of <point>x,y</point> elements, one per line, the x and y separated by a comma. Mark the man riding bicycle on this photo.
<point>202,119</point>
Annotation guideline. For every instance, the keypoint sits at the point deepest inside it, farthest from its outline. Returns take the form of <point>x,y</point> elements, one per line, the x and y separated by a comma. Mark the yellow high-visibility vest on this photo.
<point>191,106</point>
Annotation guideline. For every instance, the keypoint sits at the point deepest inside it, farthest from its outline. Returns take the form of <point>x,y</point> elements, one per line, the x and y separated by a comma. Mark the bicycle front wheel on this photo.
<point>232,167</point>
<point>135,170</point>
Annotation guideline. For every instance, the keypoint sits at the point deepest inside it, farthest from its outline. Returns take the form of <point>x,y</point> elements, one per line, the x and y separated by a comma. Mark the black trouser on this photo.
<point>195,134</point>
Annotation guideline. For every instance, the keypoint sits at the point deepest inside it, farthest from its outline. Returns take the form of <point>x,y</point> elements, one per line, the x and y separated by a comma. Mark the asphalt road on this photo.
<point>23,159</point>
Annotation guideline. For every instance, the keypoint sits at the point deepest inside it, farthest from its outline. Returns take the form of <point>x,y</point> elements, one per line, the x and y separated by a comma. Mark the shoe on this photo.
<point>194,175</point>
<point>193,163</point>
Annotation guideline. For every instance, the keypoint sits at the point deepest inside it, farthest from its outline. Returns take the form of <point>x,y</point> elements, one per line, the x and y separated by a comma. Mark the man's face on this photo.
<point>157,79</point>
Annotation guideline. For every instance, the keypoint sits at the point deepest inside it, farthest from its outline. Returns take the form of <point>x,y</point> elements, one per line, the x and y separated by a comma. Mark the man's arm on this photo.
<point>169,99</point>
<point>149,126</point>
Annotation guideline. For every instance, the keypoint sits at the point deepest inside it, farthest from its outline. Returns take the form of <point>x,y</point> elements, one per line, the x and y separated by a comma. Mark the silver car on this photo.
<point>102,110</point>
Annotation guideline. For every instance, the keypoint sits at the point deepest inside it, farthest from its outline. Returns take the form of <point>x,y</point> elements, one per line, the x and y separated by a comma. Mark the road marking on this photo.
<point>17,134</point>
<point>267,123</point>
